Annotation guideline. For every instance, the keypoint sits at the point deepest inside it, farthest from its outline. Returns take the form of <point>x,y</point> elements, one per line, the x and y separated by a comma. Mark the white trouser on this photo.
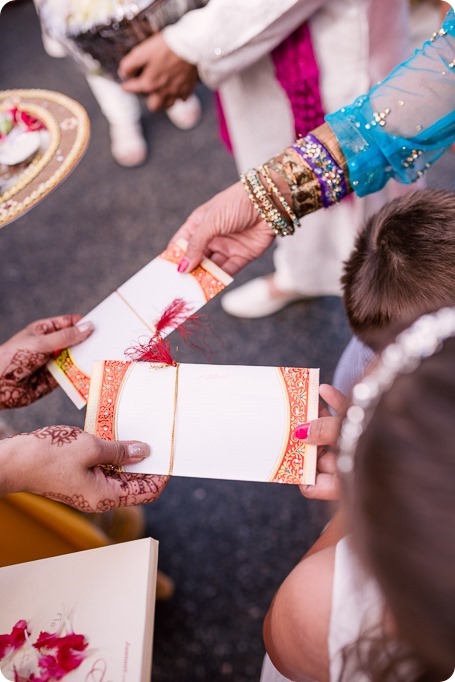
<point>118,106</point>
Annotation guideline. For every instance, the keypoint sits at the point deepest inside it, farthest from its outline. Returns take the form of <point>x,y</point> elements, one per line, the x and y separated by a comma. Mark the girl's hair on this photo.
<point>402,504</point>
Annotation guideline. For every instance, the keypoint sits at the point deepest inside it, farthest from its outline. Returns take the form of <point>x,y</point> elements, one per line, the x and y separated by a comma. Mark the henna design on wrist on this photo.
<point>58,435</point>
<point>25,379</point>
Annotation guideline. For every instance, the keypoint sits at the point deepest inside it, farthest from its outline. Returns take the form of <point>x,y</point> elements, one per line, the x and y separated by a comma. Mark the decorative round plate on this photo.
<point>63,138</point>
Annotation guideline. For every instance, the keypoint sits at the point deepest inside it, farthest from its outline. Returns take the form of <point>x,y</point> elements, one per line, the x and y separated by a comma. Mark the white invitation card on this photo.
<point>212,421</point>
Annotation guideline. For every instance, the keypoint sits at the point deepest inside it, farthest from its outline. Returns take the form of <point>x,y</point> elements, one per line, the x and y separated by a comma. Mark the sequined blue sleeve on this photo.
<point>406,122</point>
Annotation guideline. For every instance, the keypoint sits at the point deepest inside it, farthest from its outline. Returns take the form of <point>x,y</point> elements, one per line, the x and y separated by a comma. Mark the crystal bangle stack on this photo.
<point>265,173</point>
<point>328,172</point>
<point>313,176</point>
<point>264,205</point>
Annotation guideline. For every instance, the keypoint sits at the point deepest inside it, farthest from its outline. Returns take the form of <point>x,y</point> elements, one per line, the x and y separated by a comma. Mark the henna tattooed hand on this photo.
<point>63,463</point>
<point>139,488</point>
<point>23,375</point>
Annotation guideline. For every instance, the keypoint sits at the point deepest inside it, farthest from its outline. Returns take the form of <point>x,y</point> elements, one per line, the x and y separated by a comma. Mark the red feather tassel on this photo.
<point>157,349</point>
<point>174,315</point>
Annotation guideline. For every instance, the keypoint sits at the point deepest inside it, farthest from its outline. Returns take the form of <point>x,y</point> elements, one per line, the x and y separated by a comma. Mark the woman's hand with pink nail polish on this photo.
<point>227,229</point>
<point>183,265</point>
<point>324,433</point>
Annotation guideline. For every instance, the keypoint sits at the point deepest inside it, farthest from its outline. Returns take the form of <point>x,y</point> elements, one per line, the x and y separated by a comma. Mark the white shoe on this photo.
<point>185,114</point>
<point>52,47</point>
<point>128,145</point>
<point>257,298</point>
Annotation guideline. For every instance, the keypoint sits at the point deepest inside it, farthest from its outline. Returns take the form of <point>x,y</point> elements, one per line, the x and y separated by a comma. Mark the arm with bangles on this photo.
<point>62,462</point>
<point>383,134</point>
<point>238,224</point>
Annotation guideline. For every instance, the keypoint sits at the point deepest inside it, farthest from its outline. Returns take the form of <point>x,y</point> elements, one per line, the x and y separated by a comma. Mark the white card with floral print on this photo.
<point>82,616</point>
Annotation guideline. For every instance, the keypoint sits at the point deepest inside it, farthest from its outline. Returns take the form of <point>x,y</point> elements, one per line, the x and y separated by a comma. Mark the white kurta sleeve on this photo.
<point>227,36</point>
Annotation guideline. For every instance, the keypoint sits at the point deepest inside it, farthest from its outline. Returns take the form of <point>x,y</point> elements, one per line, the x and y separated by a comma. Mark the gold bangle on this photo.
<point>301,179</point>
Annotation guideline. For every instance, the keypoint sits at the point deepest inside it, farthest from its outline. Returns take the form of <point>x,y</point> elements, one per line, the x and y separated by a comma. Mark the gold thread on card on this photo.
<point>134,311</point>
<point>176,393</point>
<point>174,411</point>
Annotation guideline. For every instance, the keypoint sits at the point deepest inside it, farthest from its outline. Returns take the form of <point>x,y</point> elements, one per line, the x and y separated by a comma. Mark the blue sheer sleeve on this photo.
<point>406,122</point>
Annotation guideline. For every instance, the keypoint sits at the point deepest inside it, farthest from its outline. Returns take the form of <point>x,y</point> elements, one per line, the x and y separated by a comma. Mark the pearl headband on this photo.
<point>404,355</point>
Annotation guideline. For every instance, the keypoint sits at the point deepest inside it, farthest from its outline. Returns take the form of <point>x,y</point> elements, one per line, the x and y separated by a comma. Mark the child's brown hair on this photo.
<point>403,263</point>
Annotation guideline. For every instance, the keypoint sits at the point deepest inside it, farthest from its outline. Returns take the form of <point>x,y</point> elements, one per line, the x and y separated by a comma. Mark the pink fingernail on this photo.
<point>183,265</point>
<point>302,431</point>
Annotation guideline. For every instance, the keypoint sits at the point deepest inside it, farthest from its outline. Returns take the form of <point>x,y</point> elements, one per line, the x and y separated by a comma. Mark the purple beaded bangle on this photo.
<point>330,176</point>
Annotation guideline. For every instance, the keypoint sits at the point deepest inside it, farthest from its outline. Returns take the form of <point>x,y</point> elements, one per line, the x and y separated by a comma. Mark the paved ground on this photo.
<point>227,545</point>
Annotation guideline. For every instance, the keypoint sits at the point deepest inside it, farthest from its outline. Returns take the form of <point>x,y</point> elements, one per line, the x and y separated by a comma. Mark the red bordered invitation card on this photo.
<point>211,421</point>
